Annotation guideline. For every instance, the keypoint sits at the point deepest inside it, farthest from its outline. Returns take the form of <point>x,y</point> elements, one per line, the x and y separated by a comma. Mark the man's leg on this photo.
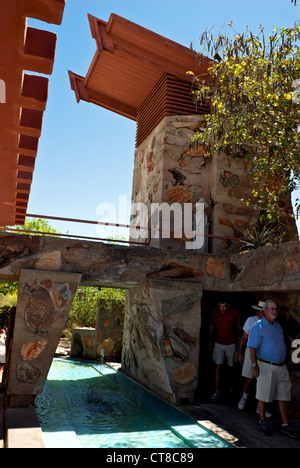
<point>218,377</point>
<point>283,408</point>
<point>285,427</point>
<point>247,384</point>
<point>262,427</point>
<point>262,410</point>
<point>218,358</point>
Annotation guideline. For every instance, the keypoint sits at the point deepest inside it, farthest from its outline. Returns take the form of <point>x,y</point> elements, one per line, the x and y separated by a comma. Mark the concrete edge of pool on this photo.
<point>22,428</point>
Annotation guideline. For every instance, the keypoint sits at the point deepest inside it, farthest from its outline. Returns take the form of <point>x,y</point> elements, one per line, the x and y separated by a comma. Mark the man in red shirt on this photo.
<point>224,332</point>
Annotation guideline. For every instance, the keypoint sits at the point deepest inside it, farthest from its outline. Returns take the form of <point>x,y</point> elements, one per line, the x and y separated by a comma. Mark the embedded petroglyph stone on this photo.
<point>215,267</point>
<point>27,373</point>
<point>61,295</point>
<point>178,304</point>
<point>235,210</point>
<point>49,261</point>
<point>106,323</point>
<point>241,222</point>
<point>39,313</point>
<point>230,180</point>
<point>174,270</point>
<point>185,337</point>
<point>196,151</point>
<point>185,373</point>
<point>33,349</point>
<point>150,162</point>
<point>292,264</point>
<point>265,268</point>
<point>48,283</point>
<point>226,222</point>
<point>88,341</point>
<point>17,248</point>
<point>180,195</point>
<point>167,348</point>
<point>179,349</point>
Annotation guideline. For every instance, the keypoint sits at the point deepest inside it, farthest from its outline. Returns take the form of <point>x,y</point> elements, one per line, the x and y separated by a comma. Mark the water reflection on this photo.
<point>106,409</point>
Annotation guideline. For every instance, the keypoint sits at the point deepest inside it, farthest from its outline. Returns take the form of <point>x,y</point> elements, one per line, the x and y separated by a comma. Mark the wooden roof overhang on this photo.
<point>23,97</point>
<point>129,67</point>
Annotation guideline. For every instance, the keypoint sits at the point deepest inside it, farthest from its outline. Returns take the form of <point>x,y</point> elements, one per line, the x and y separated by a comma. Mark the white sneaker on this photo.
<point>268,414</point>
<point>242,402</point>
<point>215,396</point>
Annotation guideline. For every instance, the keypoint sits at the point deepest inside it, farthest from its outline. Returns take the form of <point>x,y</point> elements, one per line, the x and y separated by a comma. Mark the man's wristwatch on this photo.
<point>254,364</point>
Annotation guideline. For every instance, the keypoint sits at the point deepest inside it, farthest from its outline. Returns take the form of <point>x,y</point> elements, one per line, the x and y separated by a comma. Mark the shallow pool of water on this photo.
<point>90,405</point>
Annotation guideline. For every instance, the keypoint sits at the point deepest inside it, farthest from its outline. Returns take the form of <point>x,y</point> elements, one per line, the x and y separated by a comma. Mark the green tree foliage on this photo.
<point>38,225</point>
<point>4,317</point>
<point>8,293</point>
<point>85,305</point>
<point>255,112</point>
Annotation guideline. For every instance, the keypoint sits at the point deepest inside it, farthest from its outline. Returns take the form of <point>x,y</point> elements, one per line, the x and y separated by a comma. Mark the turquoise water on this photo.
<point>91,405</point>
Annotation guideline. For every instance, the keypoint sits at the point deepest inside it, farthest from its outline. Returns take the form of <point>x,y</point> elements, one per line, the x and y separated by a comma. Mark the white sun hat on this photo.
<point>260,306</point>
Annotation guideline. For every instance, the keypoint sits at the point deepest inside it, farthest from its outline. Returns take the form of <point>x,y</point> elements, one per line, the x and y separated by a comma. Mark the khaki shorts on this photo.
<point>247,365</point>
<point>222,353</point>
<point>273,383</point>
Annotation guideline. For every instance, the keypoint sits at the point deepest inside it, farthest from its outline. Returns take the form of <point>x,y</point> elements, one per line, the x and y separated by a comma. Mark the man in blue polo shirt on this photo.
<point>268,355</point>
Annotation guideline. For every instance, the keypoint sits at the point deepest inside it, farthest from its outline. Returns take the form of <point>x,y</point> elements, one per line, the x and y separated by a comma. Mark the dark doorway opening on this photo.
<point>206,380</point>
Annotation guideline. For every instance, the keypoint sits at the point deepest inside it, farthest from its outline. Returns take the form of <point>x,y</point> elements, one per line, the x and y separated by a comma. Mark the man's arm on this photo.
<point>242,346</point>
<point>211,334</point>
<point>255,368</point>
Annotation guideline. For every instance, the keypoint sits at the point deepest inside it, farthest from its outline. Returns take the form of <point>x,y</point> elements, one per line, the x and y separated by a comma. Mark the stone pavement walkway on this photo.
<point>239,427</point>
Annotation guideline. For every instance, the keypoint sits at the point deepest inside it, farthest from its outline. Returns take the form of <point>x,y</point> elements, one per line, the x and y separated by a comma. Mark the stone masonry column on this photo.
<point>44,302</point>
<point>168,170</point>
<point>161,338</point>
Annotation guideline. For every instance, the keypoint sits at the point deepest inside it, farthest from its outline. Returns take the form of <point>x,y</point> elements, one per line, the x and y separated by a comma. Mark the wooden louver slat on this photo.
<point>170,96</point>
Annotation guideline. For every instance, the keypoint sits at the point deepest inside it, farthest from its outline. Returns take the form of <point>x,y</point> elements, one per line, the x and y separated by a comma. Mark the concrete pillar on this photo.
<point>161,338</point>
<point>44,301</point>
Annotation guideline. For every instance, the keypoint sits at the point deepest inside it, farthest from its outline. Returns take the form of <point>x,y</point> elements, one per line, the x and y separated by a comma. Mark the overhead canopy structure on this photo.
<point>23,97</point>
<point>133,69</point>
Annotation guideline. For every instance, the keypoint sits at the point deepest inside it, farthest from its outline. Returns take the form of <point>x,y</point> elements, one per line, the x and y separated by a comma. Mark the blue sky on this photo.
<point>86,153</point>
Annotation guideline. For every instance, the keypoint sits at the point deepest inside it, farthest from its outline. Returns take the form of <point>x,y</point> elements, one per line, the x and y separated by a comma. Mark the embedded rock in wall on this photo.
<point>103,342</point>
<point>44,301</point>
<point>265,268</point>
<point>27,374</point>
<point>271,268</point>
<point>22,246</point>
<point>180,195</point>
<point>33,349</point>
<point>185,374</point>
<point>50,261</point>
<point>215,267</point>
<point>161,338</point>
<point>39,310</point>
